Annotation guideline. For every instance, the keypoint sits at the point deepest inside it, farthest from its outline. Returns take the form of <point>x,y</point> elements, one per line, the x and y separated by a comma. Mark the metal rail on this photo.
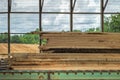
<point>60,12</point>
<point>60,75</point>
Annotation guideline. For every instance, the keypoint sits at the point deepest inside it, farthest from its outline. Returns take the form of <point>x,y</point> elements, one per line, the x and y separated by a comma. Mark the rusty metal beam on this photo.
<point>60,12</point>
<point>42,5</point>
<point>73,5</point>
<point>40,23</point>
<point>71,16</point>
<point>102,15</point>
<point>105,5</point>
<point>9,10</point>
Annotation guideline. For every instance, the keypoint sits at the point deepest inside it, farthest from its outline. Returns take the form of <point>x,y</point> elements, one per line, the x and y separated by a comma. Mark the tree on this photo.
<point>3,38</point>
<point>112,23</point>
<point>76,30</point>
<point>23,39</point>
<point>93,30</point>
<point>15,39</point>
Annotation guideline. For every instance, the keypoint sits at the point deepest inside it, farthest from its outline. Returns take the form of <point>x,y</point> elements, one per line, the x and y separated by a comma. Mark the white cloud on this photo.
<point>55,22</point>
<point>86,21</point>
<point>56,6</point>
<point>24,23</point>
<point>25,5</point>
<point>64,6</point>
<point>45,21</point>
<point>87,6</point>
<point>113,6</point>
<point>3,23</point>
<point>3,5</point>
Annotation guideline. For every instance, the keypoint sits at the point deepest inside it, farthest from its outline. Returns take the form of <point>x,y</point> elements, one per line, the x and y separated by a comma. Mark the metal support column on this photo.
<point>71,16</point>
<point>40,23</point>
<point>102,15</point>
<point>49,77</point>
<point>9,10</point>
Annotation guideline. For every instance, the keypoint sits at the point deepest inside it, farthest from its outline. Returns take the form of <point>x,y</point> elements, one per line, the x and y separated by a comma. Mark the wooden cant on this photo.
<point>72,40</point>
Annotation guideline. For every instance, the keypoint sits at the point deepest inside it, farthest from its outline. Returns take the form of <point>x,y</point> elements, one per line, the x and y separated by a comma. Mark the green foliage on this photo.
<point>76,31</point>
<point>112,23</point>
<point>29,39</point>
<point>25,38</point>
<point>44,41</point>
<point>3,38</point>
<point>93,30</point>
<point>15,39</point>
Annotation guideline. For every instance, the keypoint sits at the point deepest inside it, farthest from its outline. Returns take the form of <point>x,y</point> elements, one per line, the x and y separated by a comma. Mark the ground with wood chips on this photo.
<point>19,48</point>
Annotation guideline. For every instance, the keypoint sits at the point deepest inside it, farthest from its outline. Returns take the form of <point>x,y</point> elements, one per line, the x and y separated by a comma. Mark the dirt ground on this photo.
<point>19,48</point>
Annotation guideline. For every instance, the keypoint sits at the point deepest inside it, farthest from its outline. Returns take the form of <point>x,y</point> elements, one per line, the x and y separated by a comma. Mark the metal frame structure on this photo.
<point>41,4</point>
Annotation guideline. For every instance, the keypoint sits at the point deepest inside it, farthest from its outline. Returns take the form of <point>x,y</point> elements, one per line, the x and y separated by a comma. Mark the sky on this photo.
<point>53,22</point>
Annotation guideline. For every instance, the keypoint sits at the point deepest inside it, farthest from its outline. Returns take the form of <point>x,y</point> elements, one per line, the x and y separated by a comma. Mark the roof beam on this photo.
<point>9,5</point>
<point>73,5</point>
<point>42,5</point>
<point>105,5</point>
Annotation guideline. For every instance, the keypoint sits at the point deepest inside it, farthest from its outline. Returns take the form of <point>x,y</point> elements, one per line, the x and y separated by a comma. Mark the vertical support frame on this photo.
<point>71,16</point>
<point>105,4</point>
<point>40,15</point>
<point>49,75</point>
<point>9,10</point>
<point>102,15</point>
<point>73,5</point>
<point>40,23</point>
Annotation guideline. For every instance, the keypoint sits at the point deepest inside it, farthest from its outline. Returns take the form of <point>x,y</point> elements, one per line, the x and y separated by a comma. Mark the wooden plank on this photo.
<point>82,40</point>
<point>111,55</point>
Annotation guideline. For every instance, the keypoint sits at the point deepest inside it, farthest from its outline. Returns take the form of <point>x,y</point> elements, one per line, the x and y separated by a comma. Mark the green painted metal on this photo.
<point>59,75</point>
<point>86,76</point>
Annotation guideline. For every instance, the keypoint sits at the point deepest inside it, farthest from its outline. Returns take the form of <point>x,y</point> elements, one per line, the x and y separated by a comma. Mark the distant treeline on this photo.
<point>25,38</point>
<point>21,38</point>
